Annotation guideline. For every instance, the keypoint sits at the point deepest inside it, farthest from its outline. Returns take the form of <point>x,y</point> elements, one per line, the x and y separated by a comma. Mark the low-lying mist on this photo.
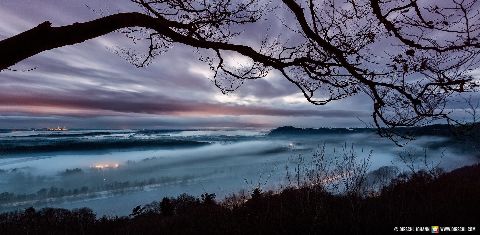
<point>225,165</point>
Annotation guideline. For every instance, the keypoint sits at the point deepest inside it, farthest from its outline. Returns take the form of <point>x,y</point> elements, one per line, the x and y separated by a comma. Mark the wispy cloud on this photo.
<point>87,83</point>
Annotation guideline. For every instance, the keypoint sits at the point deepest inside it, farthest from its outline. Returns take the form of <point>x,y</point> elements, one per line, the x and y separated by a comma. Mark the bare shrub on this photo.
<point>342,172</point>
<point>417,163</point>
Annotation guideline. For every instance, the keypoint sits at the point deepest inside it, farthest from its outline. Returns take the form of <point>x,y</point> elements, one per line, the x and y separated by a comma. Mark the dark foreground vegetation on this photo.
<point>421,199</point>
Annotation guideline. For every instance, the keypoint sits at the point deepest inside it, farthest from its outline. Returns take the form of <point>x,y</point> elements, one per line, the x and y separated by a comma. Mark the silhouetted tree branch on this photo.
<point>409,56</point>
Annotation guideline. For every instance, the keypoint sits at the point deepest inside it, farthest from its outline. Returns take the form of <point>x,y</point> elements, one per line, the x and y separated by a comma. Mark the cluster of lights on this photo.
<point>104,166</point>
<point>57,129</point>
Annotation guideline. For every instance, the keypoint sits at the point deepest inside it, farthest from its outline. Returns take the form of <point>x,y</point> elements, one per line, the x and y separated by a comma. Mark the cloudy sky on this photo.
<point>89,86</point>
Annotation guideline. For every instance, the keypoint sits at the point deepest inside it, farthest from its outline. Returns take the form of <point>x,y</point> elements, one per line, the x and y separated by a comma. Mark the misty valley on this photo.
<point>112,171</point>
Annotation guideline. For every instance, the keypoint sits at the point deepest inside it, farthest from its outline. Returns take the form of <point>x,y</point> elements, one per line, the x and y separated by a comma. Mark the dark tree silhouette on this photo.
<point>410,56</point>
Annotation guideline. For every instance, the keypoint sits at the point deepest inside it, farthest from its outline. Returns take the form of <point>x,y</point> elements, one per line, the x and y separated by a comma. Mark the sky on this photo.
<point>89,86</point>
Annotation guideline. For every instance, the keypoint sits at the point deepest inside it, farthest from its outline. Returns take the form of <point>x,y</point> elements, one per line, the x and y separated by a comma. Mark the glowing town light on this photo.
<point>59,128</point>
<point>106,166</point>
<point>291,145</point>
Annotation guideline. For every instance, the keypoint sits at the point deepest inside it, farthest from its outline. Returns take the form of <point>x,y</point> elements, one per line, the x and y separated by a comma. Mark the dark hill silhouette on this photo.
<point>433,130</point>
<point>290,130</point>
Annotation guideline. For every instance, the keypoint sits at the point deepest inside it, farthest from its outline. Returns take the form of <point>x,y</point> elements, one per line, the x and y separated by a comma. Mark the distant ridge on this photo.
<point>290,130</point>
<point>433,130</point>
<point>67,144</point>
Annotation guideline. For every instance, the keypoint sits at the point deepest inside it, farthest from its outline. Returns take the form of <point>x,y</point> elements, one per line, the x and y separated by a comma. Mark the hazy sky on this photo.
<point>89,86</point>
